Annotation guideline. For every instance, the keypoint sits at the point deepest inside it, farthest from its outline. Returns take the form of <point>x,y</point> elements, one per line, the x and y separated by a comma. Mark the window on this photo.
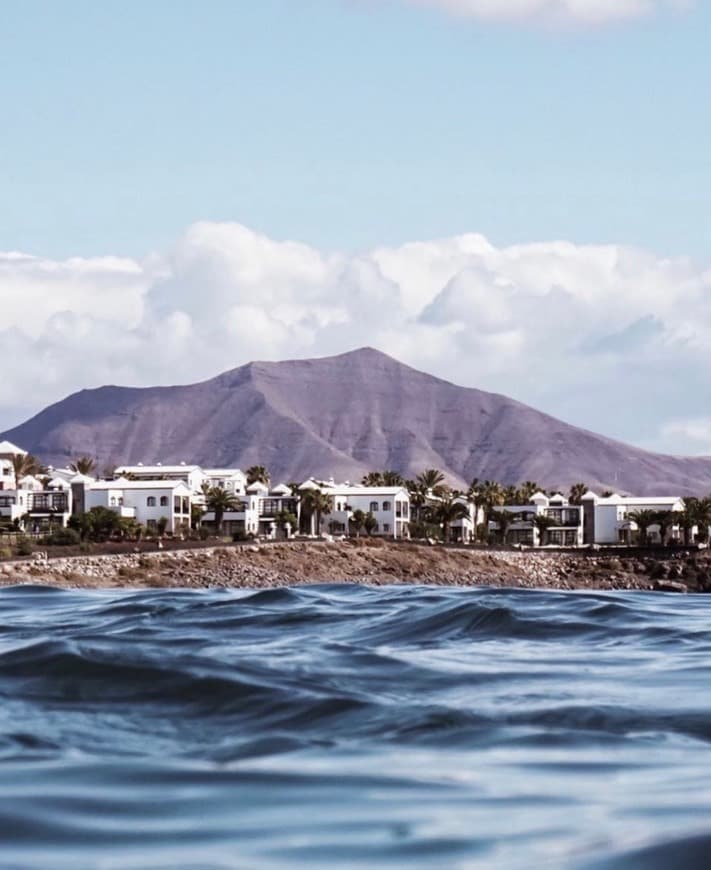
<point>373,507</point>
<point>151,501</point>
<point>386,528</point>
<point>152,524</point>
<point>112,501</point>
<point>386,506</point>
<point>164,501</point>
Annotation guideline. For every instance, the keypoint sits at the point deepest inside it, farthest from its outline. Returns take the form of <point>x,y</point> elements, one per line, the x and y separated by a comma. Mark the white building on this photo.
<point>566,529</point>
<point>258,512</point>
<point>34,506</point>
<point>233,480</point>
<point>192,475</point>
<point>610,520</point>
<point>146,501</point>
<point>390,505</point>
<point>8,451</point>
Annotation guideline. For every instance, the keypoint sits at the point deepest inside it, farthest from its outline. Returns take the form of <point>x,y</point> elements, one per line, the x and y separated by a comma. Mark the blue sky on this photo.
<point>508,198</point>
<point>348,124</point>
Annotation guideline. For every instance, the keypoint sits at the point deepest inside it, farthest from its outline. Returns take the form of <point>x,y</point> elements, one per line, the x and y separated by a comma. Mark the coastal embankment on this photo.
<point>364,561</point>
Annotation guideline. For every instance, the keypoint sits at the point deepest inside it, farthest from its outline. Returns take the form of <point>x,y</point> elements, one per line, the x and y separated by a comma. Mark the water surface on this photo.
<point>350,726</point>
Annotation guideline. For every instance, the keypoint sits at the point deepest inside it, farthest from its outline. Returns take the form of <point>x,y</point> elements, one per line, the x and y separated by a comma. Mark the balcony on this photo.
<point>54,503</point>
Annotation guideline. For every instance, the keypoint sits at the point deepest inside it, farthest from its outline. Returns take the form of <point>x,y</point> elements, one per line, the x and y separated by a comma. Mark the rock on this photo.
<point>670,586</point>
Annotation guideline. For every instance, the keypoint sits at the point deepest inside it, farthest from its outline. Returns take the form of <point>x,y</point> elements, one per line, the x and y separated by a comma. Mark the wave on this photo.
<point>333,724</point>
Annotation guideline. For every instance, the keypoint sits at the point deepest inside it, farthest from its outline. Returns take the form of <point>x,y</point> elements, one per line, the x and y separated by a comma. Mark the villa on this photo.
<point>566,527</point>
<point>610,520</point>
<point>389,505</point>
<point>146,501</point>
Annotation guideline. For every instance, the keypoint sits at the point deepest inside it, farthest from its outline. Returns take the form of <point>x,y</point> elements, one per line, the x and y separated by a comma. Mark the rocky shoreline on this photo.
<point>363,561</point>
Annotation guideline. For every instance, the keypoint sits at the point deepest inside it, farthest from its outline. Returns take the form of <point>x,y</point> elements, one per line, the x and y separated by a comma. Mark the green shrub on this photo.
<point>62,538</point>
<point>23,546</point>
<point>204,533</point>
<point>5,553</point>
<point>237,537</point>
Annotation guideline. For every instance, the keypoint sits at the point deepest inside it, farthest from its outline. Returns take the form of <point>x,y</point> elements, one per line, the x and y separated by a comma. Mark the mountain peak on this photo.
<point>345,415</point>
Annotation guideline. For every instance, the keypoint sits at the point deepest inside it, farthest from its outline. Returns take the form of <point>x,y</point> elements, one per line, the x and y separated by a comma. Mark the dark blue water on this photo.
<point>348,726</point>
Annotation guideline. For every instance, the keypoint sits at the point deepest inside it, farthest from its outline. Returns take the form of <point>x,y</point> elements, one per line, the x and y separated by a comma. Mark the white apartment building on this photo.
<point>568,519</point>
<point>146,501</point>
<point>609,521</point>
<point>257,512</point>
<point>390,505</point>
<point>192,475</point>
<point>231,479</point>
<point>34,506</point>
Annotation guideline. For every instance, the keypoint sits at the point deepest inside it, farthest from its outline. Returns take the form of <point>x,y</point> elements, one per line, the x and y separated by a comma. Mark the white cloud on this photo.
<point>585,12</point>
<point>611,337</point>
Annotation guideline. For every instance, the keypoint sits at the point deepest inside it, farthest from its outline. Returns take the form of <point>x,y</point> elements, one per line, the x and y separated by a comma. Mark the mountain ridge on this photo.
<point>341,416</point>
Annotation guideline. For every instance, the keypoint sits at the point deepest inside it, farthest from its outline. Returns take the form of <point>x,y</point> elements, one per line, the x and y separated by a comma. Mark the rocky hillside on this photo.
<point>343,416</point>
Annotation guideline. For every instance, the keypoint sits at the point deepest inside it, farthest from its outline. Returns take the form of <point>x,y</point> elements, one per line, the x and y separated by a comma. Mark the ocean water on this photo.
<point>345,726</point>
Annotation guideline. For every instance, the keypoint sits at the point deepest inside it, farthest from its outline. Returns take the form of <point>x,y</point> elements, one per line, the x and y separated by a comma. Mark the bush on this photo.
<point>5,553</point>
<point>24,547</point>
<point>62,538</point>
<point>203,533</point>
<point>238,537</point>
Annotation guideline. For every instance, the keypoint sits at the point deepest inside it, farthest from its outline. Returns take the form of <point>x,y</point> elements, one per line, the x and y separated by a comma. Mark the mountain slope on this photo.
<point>342,416</point>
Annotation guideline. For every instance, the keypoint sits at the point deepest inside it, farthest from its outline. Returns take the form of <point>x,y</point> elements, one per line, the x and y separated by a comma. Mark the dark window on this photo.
<point>151,501</point>
<point>373,507</point>
<point>164,501</point>
<point>386,506</point>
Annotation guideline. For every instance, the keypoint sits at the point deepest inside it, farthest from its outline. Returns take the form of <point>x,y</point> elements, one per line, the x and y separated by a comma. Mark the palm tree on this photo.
<point>511,495</point>
<point>357,521</point>
<point>317,504</point>
<point>702,512</point>
<point>370,524</point>
<point>25,465</point>
<point>257,474</point>
<point>687,519</point>
<point>284,519</point>
<point>373,478</point>
<point>543,524</point>
<point>644,519</point>
<point>219,500</point>
<point>430,479</point>
<point>577,491</point>
<point>665,519</point>
<point>492,495</point>
<point>503,520</point>
<point>527,490</point>
<point>418,498</point>
<point>393,478</point>
<point>83,465</point>
<point>445,512</point>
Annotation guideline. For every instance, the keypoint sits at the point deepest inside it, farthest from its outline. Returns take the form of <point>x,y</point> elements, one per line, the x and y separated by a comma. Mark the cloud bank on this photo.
<point>610,337</point>
<point>581,12</point>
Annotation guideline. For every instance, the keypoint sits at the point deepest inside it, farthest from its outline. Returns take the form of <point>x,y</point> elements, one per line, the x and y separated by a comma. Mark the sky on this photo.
<point>510,194</point>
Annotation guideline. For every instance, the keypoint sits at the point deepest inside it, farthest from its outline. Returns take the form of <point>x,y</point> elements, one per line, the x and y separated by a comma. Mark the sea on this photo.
<point>353,726</point>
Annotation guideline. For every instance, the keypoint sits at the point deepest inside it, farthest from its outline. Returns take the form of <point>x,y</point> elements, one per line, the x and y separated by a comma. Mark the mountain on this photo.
<point>342,416</point>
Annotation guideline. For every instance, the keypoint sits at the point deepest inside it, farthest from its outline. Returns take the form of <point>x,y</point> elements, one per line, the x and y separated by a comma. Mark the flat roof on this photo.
<point>157,469</point>
<point>139,484</point>
<point>338,489</point>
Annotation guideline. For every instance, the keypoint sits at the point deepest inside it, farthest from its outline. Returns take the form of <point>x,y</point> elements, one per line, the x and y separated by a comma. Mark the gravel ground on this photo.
<point>363,561</point>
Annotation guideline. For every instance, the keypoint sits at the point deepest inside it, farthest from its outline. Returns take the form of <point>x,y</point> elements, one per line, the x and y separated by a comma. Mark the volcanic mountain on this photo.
<point>342,416</point>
